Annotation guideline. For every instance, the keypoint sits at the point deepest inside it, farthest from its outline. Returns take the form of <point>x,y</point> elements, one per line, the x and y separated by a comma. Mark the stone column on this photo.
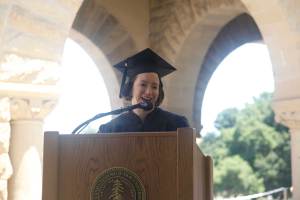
<point>288,113</point>
<point>5,165</point>
<point>295,148</point>
<point>30,89</point>
<point>32,37</point>
<point>26,149</point>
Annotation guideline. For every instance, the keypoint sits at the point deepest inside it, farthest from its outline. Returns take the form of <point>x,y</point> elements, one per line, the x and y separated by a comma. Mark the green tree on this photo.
<point>227,119</point>
<point>238,176</point>
<point>252,134</point>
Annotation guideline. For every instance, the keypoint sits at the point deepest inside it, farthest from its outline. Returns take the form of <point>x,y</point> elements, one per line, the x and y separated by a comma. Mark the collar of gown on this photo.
<point>152,113</point>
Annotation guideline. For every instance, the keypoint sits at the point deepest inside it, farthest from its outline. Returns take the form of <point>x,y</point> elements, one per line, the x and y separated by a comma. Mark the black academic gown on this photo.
<point>158,120</point>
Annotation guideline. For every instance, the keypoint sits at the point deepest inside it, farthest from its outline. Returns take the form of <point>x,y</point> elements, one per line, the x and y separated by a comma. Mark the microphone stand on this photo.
<point>143,105</point>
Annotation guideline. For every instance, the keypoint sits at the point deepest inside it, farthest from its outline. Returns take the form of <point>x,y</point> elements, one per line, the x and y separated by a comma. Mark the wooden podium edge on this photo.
<point>50,166</point>
<point>185,140</point>
<point>209,177</point>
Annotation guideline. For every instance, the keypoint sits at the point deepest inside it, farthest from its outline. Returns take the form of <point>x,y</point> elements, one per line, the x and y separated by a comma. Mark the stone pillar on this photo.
<point>5,165</point>
<point>29,87</point>
<point>292,120</point>
<point>32,37</point>
<point>295,148</point>
<point>26,147</point>
<point>288,113</point>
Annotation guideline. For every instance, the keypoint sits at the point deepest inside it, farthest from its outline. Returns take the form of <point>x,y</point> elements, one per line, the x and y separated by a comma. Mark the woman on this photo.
<point>142,82</point>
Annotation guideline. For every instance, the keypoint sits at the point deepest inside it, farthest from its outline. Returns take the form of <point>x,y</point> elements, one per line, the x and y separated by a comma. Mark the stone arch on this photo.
<point>103,34</point>
<point>104,30</point>
<point>278,22</point>
<point>171,22</point>
<point>239,31</point>
<point>190,55</point>
<point>36,31</point>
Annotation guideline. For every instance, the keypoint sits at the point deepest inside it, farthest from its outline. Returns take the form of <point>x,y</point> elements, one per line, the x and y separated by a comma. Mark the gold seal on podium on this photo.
<point>118,183</point>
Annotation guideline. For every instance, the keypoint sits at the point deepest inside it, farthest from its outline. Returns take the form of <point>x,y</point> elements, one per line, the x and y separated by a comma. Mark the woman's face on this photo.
<point>145,87</point>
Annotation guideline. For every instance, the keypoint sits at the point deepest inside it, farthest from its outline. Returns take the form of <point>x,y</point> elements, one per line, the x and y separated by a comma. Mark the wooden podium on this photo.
<point>169,164</point>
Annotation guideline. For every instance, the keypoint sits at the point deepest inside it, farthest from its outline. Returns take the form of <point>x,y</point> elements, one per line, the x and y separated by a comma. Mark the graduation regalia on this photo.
<point>158,120</point>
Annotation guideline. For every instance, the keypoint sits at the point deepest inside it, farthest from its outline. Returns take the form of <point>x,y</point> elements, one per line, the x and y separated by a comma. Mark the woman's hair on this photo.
<point>127,93</point>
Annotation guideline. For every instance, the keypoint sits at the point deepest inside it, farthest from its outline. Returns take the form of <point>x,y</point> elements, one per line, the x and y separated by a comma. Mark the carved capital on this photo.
<point>290,119</point>
<point>30,109</point>
<point>288,112</point>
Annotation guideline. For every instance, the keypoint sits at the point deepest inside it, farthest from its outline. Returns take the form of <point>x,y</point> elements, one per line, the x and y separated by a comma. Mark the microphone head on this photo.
<point>146,105</point>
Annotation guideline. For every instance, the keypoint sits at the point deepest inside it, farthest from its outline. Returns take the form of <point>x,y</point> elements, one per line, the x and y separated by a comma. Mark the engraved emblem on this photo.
<point>118,183</point>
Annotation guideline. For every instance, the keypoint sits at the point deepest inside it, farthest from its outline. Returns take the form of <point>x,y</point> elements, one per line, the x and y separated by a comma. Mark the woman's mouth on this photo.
<point>146,99</point>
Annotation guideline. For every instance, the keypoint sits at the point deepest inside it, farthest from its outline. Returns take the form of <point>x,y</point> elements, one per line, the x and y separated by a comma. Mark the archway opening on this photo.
<point>83,92</point>
<point>251,151</point>
<point>237,79</point>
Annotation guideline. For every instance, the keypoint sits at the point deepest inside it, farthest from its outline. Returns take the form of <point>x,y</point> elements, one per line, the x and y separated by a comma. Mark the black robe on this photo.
<point>157,120</point>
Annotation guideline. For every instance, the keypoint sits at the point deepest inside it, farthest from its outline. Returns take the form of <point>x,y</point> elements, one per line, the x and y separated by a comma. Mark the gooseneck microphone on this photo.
<point>145,105</point>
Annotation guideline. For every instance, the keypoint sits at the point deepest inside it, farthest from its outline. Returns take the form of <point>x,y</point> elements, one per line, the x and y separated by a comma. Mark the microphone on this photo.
<point>145,105</point>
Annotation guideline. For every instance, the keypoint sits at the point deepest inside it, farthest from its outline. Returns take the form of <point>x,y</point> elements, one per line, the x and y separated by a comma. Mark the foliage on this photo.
<point>252,151</point>
<point>239,176</point>
<point>227,119</point>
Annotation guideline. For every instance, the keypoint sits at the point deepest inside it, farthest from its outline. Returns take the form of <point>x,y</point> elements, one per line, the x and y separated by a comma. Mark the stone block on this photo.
<point>71,5</point>
<point>29,34</point>
<point>33,46</point>
<point>27,22</point>
<point>58,11</point>
<point>4,10</point>
<point>19,69</point>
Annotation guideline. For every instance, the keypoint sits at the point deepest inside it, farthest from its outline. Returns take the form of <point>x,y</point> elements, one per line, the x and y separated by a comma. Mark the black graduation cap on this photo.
<point>142,62</point>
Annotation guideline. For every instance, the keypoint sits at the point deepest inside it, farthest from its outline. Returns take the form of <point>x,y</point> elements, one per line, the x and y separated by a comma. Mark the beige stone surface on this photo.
<point>134,16</point>
<point>33,32</point>
<point>26,154</point>
<point>37,29</point>
<point>295,157</point>
<point>287,109</point>
<point>61,11</point>
<point>30,109</point>
<point>18,69</point>
<point>4,11</point>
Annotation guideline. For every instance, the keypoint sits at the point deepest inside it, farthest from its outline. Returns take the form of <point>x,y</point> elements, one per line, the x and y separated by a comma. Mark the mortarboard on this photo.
<point>142,62</point>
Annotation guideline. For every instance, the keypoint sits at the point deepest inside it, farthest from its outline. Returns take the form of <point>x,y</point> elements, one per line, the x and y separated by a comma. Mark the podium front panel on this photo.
<point>151,157</point>
<point>169,164</point>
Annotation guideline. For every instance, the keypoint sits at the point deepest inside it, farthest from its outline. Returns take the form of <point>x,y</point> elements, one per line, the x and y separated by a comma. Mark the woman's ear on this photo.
<point>161,94</point>
<point>127,93</point>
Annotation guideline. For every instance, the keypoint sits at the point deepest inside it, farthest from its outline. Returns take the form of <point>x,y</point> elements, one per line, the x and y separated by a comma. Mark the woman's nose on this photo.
<point>149,91</point>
